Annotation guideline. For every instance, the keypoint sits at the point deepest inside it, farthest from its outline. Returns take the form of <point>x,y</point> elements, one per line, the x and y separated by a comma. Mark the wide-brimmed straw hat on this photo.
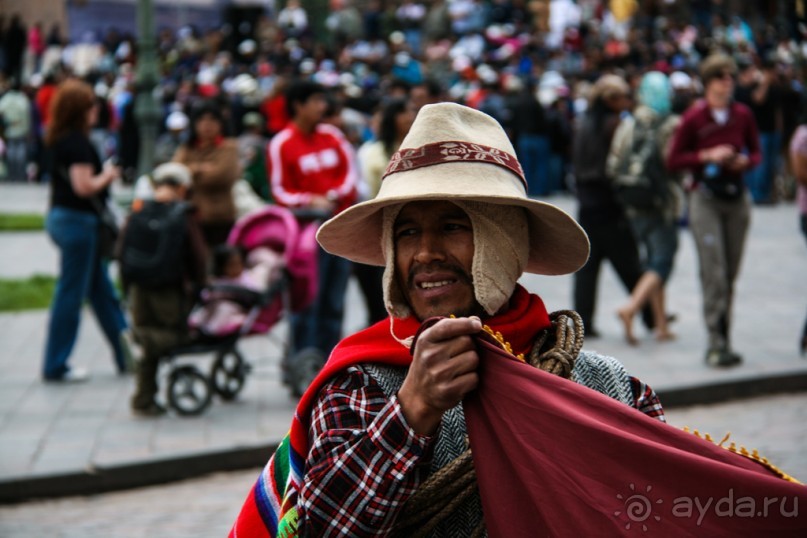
<point>453,152</point>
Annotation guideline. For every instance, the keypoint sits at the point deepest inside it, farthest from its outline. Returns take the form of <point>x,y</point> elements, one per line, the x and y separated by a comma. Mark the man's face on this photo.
<point>312,110</point>
<point>721,87</point>
<point>207,127</point>
<point>419,96</point>
<point>434,250</point>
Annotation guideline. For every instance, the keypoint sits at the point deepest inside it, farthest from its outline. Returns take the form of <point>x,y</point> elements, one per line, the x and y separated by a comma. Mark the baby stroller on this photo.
<point>291,289</point>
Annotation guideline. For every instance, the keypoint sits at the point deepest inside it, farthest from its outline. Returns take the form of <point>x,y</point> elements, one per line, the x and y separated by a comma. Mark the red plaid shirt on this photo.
<point>365,460</point>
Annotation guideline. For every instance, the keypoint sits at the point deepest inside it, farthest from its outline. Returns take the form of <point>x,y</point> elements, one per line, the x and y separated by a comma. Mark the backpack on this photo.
<point>641,180</point>
<point>153,245</point>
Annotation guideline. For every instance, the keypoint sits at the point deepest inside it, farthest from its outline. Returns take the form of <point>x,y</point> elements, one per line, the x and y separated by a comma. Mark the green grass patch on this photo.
<point>26,293</point>
<point>21,222</point>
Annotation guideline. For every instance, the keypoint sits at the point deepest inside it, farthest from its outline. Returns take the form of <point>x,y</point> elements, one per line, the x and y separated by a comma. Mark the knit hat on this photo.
<point>457,154</point>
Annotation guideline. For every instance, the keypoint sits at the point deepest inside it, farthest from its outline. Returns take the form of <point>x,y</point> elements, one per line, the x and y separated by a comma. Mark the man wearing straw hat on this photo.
<point>454,229</point>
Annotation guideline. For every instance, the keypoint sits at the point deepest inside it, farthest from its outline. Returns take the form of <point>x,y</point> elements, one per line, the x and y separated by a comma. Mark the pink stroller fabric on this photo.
<point>220,314</point>
<point>276,228</point>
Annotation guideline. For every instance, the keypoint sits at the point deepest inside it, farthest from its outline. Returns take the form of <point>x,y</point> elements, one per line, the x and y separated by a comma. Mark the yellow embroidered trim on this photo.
<point>502,342</point>
<point>742,451</point>
<point>500,339</point>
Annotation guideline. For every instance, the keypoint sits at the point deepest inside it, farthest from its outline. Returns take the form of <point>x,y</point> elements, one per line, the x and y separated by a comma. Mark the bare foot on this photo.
<point>664,336</point>
<point>627,321</point>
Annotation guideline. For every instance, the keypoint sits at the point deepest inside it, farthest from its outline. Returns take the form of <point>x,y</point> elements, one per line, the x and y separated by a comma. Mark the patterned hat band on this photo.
<point>452,152</point>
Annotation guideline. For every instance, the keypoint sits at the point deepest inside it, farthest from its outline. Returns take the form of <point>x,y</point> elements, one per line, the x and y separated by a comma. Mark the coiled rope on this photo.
<point>452,485</point>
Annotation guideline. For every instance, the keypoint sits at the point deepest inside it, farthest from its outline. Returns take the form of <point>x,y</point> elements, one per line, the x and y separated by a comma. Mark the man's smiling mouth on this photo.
<point>440,283</point>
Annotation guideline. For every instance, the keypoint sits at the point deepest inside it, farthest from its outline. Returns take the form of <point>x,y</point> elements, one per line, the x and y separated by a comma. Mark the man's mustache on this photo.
<point>437,267</point>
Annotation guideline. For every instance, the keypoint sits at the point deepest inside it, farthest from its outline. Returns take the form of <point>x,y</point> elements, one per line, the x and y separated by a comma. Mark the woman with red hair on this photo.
<point>79,189</point>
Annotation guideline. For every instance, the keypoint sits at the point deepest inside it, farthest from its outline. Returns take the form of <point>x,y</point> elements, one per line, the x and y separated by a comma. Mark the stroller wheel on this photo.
<point>303,368</point>
<point>228,374</point>
<point>188,391</point>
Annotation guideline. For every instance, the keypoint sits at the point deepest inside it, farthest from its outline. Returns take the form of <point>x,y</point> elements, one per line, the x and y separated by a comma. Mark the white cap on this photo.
<point>176,121</point>
<point>171,171</point>
<point>245,84</point>
<point>547,96</point>
<point>247,46</point>
<point>680,80</point>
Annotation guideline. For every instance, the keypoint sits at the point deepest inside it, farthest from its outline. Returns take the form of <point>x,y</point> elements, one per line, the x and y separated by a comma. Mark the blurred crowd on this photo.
<point>484,53</point>
<point>561,76</point>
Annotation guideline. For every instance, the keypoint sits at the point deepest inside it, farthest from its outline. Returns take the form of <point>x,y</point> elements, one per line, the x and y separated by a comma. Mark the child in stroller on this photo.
<point>224,306</point>
<point>268,267</point>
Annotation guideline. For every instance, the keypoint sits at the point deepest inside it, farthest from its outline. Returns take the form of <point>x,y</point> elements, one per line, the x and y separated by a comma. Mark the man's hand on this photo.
<point>110,172</point>
<point>739,163</point>
<point>718,154</point>
<point>443,371</point>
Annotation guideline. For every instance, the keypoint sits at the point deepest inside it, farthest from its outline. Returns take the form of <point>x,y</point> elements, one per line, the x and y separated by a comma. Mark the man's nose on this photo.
<point>431,247</point>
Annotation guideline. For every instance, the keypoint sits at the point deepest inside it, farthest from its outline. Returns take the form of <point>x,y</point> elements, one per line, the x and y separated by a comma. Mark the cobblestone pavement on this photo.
<point>776,425</point>
<point>193,508</point>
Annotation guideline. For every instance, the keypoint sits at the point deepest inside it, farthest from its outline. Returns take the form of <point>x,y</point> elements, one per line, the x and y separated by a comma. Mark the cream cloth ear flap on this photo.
<point>501,251</point>
<point>394,300</point>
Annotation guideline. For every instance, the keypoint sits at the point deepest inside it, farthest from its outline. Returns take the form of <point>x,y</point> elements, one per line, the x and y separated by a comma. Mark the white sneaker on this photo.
<point>76,375</point>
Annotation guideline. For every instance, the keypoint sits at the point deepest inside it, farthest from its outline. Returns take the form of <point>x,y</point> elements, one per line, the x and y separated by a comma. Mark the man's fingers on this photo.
<point>437,352</point>
<point>465,383</point>
<point>464,362</point>
<point>448,328</point>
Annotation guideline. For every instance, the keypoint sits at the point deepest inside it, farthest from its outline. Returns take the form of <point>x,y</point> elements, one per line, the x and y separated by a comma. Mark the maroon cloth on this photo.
<point>698,130</point>
<point>554,458</point>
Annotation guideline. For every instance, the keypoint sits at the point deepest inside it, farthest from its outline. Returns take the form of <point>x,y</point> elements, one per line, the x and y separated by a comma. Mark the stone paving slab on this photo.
<point>80,433</point>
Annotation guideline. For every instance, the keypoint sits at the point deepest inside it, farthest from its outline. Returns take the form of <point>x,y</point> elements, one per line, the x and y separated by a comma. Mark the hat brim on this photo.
<point>558,245</point>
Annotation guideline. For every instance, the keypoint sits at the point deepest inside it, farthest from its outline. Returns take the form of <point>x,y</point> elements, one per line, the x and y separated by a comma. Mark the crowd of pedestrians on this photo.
<point>594,95</point>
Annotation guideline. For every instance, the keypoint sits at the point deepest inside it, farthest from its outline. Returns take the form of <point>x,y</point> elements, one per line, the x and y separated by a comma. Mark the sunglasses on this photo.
<point>725,75</point>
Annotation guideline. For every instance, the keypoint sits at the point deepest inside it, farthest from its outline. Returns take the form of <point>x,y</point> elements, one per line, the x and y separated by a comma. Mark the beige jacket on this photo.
<point>214,172</point>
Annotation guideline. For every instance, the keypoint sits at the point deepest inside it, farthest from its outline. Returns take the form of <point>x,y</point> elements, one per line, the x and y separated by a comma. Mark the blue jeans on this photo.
<point>760,179</point>
<point>17,159</point>
<point>82,276</point>
<point>320,325</point>
<point>657,239</point>
<point>557,173</point>
<point>533,152</point>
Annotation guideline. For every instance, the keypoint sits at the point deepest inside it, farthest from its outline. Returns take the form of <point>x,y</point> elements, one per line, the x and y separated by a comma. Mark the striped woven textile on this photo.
<point>270,510</point>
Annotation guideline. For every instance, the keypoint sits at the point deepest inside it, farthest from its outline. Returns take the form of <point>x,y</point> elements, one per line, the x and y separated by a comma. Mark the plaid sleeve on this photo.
<point>365,460</point>
<point>646,400</point>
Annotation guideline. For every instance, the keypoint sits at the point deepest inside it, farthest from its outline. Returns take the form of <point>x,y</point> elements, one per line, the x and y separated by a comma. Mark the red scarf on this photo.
<point>525,317</point>
<point>216,143</point>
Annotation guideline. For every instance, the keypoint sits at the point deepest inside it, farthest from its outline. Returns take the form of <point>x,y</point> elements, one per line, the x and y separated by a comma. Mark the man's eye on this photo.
<point>455,226</point>
<point>404,232</point>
